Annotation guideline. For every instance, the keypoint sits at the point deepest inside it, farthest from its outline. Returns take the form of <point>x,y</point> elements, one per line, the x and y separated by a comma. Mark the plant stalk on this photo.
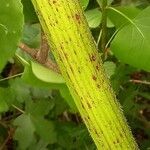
<point>76,54</point>
<point>104,25</point>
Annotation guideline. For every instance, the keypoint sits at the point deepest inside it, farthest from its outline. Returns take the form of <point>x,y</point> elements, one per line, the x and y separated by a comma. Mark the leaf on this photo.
<point>39,108</point>
<point>84,3</point>
<point>32,80</point>
<point>131,44</point>
<point>68,98</point>
<point>127,98</point>
<point>3,132</point>
<point>11,23</point>
<point>108,2</point>
<point>25,132</point>
<point>32,35</point>
<point>60,104</point>
<point>45,129</point>
<point>93,17</point>
<point>40,145</point>
<point>29,12</point>
<point>119,20</point>
<point>20,90</point>
<point>7,98</point>
<point>3,102</point>
<point>45,74</point>
<point>110,23</point>
<point>109,68</point>
<point>121,76</point>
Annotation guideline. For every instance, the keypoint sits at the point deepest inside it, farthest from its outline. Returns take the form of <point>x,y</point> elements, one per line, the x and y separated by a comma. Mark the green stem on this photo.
<point>111,38</point>
<point>104,25</point>
<point>14,76</point>
<point>99,37</point>
<point>76,54</point>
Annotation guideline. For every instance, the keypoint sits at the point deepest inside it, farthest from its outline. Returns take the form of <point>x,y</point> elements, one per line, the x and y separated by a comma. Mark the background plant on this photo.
<point>28,96</point>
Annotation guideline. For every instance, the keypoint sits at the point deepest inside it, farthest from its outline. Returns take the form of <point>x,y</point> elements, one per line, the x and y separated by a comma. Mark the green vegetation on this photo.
<point>37,111</point>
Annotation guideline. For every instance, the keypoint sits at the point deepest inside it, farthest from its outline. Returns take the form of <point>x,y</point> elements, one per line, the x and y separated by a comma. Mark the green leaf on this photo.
<point>3,132</point>
<point>60,104</point>
<point>3,102</point>
<point>45,129</point>
<point>32,80</point>
<point>131,44</point>
<point>40,145</point>
<point>121,76</point>
<point>108,2</point>
<point>45,74</point>
<point>109,68</point>
<point>25,132</point>
<point>32,35</point>
<point>93,17</point>
<point>11,23</point>
<point>29,12</point>
<point>119,20</point>
<point>84,3</point>
<point>68,98</point>
<point>110,23</point>
<point>20,90</point>
<point>39,108</point>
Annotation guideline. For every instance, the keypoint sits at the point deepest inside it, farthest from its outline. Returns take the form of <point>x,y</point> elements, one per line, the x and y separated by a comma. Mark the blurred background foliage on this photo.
<point>37,111</point>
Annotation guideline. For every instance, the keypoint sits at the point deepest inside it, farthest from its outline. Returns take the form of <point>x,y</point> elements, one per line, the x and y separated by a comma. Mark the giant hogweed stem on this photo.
<point>75,51</point>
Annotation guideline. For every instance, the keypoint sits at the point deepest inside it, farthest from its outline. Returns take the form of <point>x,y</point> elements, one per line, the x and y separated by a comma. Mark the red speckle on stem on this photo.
<point>89,105</point>
<point>97,67</point>
<point>54,2</point>
<point>92,57</point>
<point>77,16</point>
<point>118,141</point>
<point>71,69</point>
<point>94,78</point>
<point>121,135</point>
<point>66,56</point>
<point>82,106</point>
<point>88,118</point>
<point>57,9</point>
<point>96,132</point>
<point>98,86</point>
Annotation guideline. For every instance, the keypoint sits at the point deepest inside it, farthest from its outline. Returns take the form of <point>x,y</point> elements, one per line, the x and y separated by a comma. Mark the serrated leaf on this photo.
<point>40,145</point>
<point>45,74</point>
<point>11,23</point>
<point>20,90</point>
<point>6,98</point>
<point>24,133</point>
<point>39,108</point>
<point>60,104</point>
<point>131,44</point>
<point>45,129</point>
<point>31,79</point>
<point>3,102</point>
<point>93,17</point>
